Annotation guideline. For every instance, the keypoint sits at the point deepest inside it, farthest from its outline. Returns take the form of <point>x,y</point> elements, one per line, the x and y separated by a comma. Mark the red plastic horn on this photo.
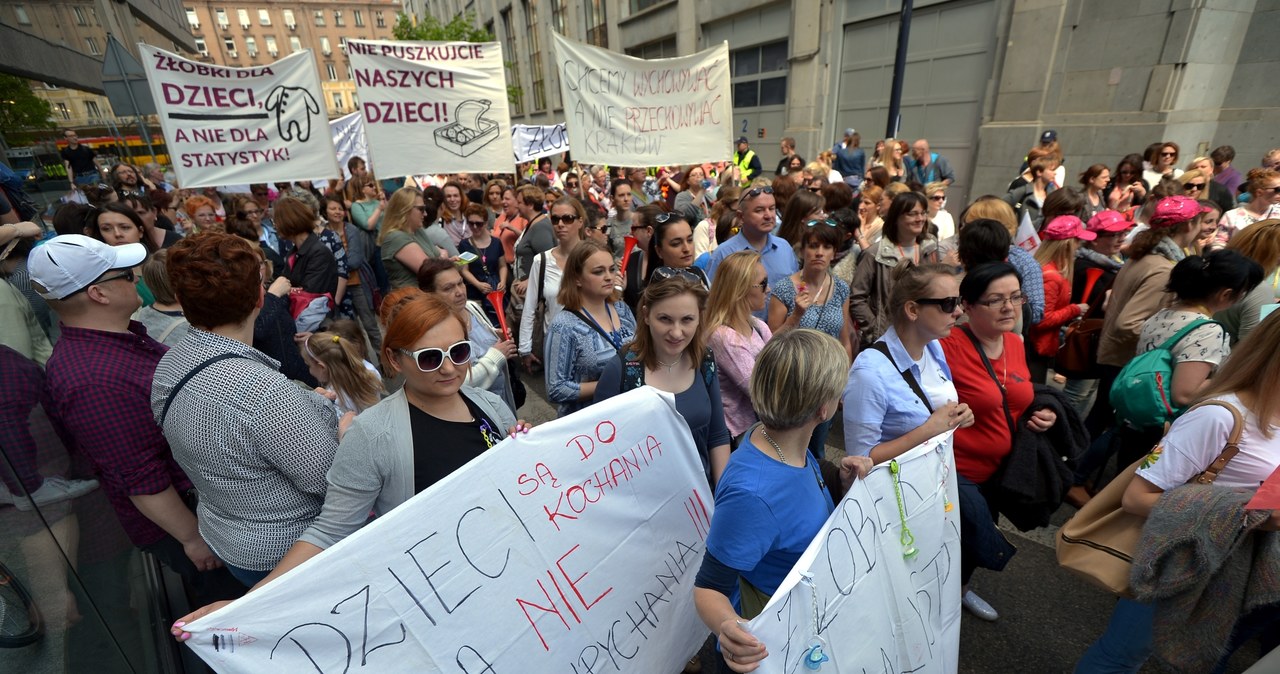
<point>495,298</point>
<point>631,244</point>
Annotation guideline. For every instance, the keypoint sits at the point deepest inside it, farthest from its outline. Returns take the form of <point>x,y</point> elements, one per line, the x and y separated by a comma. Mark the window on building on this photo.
<point>193,19</point>
<point>251,46</point>
<point>82,18</point>
<point>638,5</point>
<point>759,75</point>
<point>337,18</point>
<point>655,50</point>
<point>350,77</point>
<point>264,17</point>
<point>92,44</point>
<point>221,15</point>
<point>63,111</point>
<point>337,101</point>
<point>243,16</point>
<point>93,14</point>
<point>202,47</point>
<point>597,23</point>
<point>379,19</point>
<point>91,110</point>
<point>295,45</point>
<point>535,55</point>
<point>559,9</point>
<point>20,11</point>
<point>358,17</point>
<point>271,45</point>
<point>230,44</point>
<point>332,71</point>
<point>513,65</point>
<point>319,14</point>
<point>288,18</point>
<point>325,47</point>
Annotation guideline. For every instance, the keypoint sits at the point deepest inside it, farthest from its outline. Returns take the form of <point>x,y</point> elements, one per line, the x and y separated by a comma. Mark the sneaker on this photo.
<point>53,490</point>
<point>6,496</point>
<point>978,606</point>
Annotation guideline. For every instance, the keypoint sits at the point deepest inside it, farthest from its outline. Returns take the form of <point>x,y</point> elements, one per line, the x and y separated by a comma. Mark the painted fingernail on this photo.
<point>179,623</point>
<point>185,636</point>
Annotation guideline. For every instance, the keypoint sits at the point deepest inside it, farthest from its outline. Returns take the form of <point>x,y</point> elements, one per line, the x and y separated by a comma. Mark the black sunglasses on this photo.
<point>946,304</point>
<point>567,219</point>
<point>477,223</point>
<point>431,359</point>
<point>1194,186</point>
<point>754,192</point>
<point>126,275</point>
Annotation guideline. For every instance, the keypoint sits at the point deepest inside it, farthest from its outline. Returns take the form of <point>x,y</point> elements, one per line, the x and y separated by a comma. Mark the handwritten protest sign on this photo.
<point>855,597</point>
<point>241,125</point>
<point>432,107</point>
<point>534,142</point>
<point>645,113</point>
<point>570,549</point>
<point>349,140</point>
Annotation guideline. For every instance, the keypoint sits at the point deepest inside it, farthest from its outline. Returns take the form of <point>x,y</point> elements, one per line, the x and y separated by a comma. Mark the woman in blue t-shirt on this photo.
<point>771,500</point>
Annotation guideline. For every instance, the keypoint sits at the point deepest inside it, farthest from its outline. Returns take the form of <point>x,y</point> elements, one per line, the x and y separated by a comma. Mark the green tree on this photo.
<point>20,108</point>
<point>461,28</point>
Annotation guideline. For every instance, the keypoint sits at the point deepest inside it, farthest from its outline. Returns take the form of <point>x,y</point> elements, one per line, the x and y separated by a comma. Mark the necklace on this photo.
<point>781,457</point>
<point>671,366</point>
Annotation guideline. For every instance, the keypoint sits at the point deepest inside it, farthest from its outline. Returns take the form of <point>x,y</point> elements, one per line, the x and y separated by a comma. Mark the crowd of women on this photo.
<point>766,308</point>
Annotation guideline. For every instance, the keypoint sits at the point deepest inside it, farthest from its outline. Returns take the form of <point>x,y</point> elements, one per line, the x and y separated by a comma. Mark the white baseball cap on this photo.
<point>69,263</point>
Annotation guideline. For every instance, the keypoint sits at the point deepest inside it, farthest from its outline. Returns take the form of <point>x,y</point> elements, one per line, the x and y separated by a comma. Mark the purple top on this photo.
<point>1229,178</point>
<point>736,358</point>
<point>99,386</point>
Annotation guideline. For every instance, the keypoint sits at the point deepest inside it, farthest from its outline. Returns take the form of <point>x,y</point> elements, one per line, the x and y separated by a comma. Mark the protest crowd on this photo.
<point>249,375</point>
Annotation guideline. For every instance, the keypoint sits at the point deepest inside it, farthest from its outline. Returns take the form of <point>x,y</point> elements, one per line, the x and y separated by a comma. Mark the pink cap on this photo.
<point>1109,221</point>
<point>1066,227</point>
<point>1171,211</point>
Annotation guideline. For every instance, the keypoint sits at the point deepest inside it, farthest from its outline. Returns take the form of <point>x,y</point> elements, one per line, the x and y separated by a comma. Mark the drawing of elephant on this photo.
<point>281,100</point>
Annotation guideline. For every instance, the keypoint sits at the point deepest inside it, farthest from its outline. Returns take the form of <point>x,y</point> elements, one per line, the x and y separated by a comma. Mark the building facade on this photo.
<point>255,33</point>
<point>983,77</point>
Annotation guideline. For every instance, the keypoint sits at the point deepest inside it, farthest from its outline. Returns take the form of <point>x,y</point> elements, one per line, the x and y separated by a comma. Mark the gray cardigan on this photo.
<point>373,467</point>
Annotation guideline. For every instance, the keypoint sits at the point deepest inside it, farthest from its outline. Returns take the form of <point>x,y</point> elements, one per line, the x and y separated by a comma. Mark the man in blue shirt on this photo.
<point>851,161</point>
<point>928,167</point>
<point>757,213</point>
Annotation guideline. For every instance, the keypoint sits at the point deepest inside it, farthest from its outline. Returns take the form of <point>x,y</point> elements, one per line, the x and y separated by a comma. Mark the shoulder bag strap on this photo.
<point>164,412</point>
<point>542,282</point>
<point>906,375</point>
<point>1004,397</point>
<point>1229,450</point>
<point>593,324</point>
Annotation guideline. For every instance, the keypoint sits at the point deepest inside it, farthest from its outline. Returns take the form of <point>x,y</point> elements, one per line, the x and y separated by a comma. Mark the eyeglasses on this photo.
<point>946,304</point>
<point>431,359</point>
<point>1168,154</point>
<point>635,227</point>
<point>477,223</point>
<point>421,209</point>
<point>126,275</point>
<point>938,197</point>
<point>1016,300</point>
<point>763,285</point>
<point>1194,186</point>
<point>825,221</point>
<point>664,273</point>
<point>567,219</point>
<point>754,192</point>
<point>595,228</point>
<point>571,184</point>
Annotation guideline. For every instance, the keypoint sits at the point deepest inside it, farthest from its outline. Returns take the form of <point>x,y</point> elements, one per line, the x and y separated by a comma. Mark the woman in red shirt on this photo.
<point>1057,257</point>
<point>989,368</point>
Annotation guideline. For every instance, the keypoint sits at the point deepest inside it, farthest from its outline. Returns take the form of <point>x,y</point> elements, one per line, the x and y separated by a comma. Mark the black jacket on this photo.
<point>314,269</point>
<point>1038,470</point>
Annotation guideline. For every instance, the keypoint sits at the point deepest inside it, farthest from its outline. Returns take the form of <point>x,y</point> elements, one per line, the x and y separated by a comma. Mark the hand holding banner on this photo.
<point>652,113</point>
<point>857,601</point>
<point>571,548</point>
<point>241,125</point>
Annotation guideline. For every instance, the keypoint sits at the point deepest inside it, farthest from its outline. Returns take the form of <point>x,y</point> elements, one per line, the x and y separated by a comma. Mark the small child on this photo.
<point>335,362</point>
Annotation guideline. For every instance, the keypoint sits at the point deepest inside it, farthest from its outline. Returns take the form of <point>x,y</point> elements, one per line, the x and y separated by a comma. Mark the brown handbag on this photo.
<point>1099,541</point>
<point>1078,355</point>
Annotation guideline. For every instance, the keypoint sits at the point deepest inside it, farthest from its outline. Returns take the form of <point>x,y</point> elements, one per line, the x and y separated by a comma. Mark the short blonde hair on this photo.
<point>796,373</point>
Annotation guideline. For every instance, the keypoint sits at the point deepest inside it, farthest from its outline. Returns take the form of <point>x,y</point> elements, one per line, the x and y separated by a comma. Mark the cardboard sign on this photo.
<point>534,142</point>
<point>646,113</point>
<point>570,549</point>
<point>241,125</point>
<point>432,107</point>
<point>856,601</point>
<point>349,140</point>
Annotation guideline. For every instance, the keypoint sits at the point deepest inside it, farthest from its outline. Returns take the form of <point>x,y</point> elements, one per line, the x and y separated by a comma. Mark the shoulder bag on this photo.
<point>1078,355</point>
<point>1099,542</point>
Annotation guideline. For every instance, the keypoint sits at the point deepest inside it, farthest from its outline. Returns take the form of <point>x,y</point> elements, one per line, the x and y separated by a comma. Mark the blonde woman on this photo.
<point>734,335</point>
<point>404,241</point>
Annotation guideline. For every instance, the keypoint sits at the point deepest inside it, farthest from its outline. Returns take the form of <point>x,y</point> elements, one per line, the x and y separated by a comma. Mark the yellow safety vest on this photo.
<point>744,167</point>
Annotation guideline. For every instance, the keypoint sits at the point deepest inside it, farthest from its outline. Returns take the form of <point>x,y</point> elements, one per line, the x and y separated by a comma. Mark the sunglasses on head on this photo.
<point>664,218</point>
<point>946,304</point>
<point>567,219</point>
<point>664,273</point>
<point>432,358</point>
<point>755,192</point>
<point>825,221</point>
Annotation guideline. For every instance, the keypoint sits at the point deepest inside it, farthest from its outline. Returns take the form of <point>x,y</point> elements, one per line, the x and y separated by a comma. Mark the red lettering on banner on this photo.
<point>544,476</point>
<point>565,604</point>
<point>573,582</point>
<point>623,468</point>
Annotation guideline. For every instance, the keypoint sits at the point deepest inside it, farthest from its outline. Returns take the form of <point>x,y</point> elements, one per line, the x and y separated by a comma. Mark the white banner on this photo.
<point>646,113</point>
<point>241,125</point>
<point>857,598</point>
<point>571,548</point>
<point>535,142</point>
<point>432,107</point>
<point>349,140</point>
